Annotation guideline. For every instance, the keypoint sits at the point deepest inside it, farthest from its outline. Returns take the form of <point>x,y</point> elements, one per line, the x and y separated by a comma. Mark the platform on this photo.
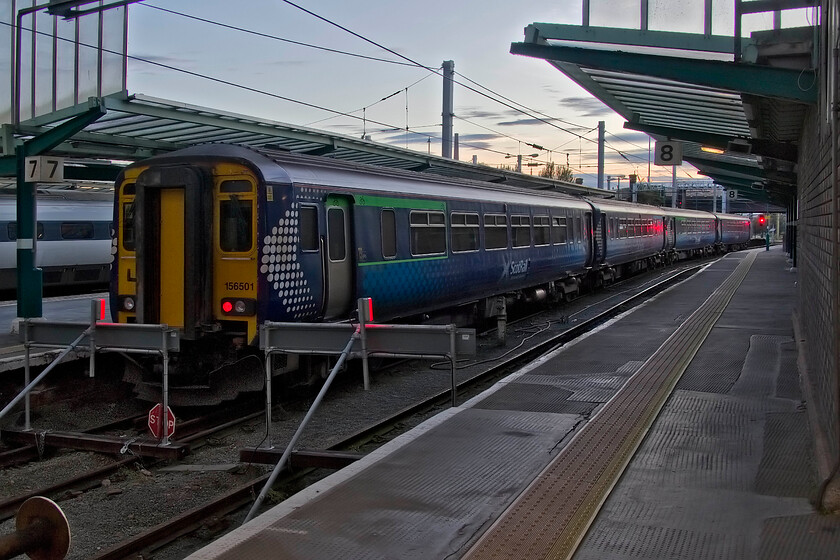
<point>677,430</point>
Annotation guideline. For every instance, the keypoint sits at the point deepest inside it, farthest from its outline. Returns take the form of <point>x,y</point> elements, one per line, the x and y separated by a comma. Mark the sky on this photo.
<point>251,67</point>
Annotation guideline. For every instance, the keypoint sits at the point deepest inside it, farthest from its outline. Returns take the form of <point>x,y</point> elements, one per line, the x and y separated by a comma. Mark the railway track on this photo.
<point>232,504</point>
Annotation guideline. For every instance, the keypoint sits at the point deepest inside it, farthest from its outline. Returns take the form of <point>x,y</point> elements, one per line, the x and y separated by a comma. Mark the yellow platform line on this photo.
<point>551,517</point>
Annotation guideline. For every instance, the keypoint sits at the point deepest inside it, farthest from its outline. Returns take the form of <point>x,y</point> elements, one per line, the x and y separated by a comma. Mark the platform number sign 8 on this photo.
<point>668,153</point>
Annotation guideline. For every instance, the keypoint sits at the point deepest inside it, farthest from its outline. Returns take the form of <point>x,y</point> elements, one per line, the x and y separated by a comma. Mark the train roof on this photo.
<point>608,205</point>
<point>283,167</point>
<point>732,217</point>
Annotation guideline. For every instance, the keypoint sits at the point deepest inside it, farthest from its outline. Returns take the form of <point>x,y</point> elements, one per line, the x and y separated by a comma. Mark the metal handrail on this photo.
<point>284,459</point>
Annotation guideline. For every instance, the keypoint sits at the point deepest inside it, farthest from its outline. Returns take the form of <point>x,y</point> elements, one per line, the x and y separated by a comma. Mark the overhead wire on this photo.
<point>409,62</point>
<point>274,37</point>
<point>371,41</point>
<point>205,77</point>
<point>387,97</point>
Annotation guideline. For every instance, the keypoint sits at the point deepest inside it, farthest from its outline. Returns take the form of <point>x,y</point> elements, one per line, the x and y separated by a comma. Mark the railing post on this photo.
<point>362,306</point>
<point>27,424</point>
<point>268,400</point>
<point>164,413</point>
<point>452,361</point>
<point>94,316</point>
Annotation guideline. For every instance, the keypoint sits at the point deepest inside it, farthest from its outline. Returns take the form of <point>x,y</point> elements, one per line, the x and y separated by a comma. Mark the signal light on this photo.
<point>239,306</point>
<point>761,220</point>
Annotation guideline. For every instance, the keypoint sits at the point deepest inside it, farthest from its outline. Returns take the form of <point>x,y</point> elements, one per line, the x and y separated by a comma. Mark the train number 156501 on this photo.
<point>239,286</point>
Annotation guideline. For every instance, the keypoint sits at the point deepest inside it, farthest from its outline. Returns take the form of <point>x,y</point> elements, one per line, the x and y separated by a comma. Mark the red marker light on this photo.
<point>101,309</point>
<point>370,309</point>
<point>227,307</point>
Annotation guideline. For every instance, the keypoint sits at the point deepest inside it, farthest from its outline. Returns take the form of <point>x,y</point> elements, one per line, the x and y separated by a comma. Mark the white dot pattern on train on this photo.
<point>279,263</point>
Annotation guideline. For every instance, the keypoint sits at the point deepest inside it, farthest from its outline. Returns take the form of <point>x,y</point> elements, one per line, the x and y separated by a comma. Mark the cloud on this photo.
<point>140,58</point>
<point>527,122</point>
<point>629,136</point>
<point>586,106</point>
<point>477,113</point>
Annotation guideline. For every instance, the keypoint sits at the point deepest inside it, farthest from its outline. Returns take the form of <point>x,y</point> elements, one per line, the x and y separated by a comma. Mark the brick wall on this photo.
<point>817,265</point>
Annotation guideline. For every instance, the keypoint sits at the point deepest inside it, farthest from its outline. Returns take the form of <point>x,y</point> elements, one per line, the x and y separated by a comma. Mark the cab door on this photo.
<point>338,259</point>
<point>170,284</point>
<point>173,276</point>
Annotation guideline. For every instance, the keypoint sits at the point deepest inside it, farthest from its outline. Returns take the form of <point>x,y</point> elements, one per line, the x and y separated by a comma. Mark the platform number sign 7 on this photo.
<point>668,153</point>
<point>44,169</point>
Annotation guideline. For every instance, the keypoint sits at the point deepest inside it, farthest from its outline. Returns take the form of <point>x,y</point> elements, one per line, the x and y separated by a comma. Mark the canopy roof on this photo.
<point>689,87</point>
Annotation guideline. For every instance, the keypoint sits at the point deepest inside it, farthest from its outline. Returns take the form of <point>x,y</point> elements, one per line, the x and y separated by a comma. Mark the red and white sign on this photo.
<point>155,421</point>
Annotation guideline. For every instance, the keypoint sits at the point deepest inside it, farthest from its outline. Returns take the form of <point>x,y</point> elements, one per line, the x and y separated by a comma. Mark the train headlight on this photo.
<point>128,303</point>
<point>239,306</point>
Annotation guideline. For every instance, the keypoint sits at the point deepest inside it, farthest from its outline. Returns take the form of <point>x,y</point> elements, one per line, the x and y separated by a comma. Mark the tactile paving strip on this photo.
<point>551,517</point>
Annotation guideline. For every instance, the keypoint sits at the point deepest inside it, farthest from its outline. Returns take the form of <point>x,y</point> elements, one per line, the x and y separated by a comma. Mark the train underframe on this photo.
<point>221,366</point>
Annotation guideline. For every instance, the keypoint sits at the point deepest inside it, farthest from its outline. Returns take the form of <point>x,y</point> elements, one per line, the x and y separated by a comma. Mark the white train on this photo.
<point>73,246</point>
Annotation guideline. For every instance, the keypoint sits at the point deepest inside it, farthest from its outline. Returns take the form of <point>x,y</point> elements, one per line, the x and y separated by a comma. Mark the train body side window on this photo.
<point>12,231</point>
<point>388,220</point>
<point>309,239</point>
<point>464,235</point>
<point>558,230</point>
<point>77,230</point>
<point>542,230</point>
<point>521,229</point>
<point>337,246</point>
<point>235,219</point>
<point>495,231</point>
<point>428,232</point>
<point>578,229</point>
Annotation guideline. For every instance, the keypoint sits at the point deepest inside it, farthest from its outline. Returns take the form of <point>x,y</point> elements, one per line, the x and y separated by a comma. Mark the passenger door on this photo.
<point>600,235</point>
<point>338,259</point>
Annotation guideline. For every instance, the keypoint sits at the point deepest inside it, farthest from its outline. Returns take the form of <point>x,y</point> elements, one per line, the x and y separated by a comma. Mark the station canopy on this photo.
<point>127,127</point>
<point>738,117</point>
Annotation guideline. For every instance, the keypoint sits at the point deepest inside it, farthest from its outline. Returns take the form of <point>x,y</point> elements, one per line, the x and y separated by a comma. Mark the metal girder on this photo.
<point>753,79</point>
<point>92,173</point>
<point>746,172</point>
<point>300,458</point>
<point>52,137</point>
<point>109,139</point>
<point>323,150</point>
<point>97,443</point>
<point>635,37</point>
<point>761,6</point>
<point>420,167</point>
<point>757,174</point>
<point>760,147</point>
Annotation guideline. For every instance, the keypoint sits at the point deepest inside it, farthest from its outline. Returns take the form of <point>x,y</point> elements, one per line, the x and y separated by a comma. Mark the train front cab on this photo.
<point>186,254</point>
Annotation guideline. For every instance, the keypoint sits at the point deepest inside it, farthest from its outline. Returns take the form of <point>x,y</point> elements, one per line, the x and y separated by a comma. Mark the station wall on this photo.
<point>818,245</point>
